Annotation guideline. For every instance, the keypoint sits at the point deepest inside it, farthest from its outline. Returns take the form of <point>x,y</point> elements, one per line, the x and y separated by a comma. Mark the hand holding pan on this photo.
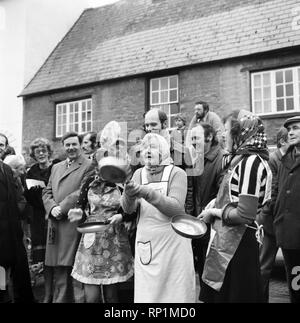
<point>91,227</point>
<point>87,227</point>
<point>188,226</point>
<point>114,170</point>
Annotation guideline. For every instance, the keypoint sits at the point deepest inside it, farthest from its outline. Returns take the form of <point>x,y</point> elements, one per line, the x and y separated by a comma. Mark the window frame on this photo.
<point>273,91</point>
<point>168,103</point>
<point>70,124</point>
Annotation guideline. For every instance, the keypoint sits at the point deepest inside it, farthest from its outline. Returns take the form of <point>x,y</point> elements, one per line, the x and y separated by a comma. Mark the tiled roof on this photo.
<point>133,37</point>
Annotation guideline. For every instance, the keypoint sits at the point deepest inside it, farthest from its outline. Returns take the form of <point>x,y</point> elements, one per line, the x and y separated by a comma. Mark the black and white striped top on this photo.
<point>251,176</point>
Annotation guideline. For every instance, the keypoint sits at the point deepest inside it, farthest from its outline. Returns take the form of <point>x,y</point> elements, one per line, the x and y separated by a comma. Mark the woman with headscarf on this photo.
<point>103,258</point>
<point>232,271</point>
<point>164,269</point>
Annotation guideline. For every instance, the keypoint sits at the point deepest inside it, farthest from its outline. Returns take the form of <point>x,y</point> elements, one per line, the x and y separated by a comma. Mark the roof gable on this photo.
<point>134,37</point>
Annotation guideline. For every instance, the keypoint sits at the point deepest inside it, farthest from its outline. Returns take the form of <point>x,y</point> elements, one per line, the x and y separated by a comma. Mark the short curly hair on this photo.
<point>40,142</point>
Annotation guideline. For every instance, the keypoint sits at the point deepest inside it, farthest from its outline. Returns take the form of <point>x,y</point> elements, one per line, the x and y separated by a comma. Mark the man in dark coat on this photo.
<point>59,196</point>
<point>287,206</point>
<point>204,115</point>
<point>204,188</point>
<point>13,257</point>
<point>269,247</point>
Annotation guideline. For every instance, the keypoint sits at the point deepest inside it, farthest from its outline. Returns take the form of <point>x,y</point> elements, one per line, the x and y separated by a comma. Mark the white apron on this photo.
<point>164,268</point>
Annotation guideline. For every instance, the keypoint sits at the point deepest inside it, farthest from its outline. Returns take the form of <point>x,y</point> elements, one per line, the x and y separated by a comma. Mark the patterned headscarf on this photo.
<point>252,135</point>
<point>251,140</point>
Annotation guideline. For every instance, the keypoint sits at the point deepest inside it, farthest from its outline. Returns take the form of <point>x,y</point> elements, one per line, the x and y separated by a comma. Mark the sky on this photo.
<point>29,31</point>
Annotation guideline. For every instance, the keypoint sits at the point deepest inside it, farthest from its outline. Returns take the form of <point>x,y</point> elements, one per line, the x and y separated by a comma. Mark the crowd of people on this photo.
<point>219,171</point>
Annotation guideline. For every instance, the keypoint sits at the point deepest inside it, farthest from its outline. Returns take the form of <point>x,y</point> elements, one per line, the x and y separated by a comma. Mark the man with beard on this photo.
<point>202,114</point>
<point>59,196</point>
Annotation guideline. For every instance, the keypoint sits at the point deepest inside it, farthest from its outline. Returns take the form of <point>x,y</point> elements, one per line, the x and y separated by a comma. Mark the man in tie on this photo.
<point>59,196</point>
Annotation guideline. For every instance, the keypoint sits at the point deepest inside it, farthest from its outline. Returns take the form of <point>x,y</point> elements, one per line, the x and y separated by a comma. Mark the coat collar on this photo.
<point>278,154</point>
<point>213,153</point>
<point>74,166</point>
<point>290,160</point>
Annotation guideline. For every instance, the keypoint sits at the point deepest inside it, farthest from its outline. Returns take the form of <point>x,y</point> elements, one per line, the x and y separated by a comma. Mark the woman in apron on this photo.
<point>232,270</point>
<point>164,269</point>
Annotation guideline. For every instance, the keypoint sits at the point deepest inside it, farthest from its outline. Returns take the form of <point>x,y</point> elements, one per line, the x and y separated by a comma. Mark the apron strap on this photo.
<point>165,177</point>
<point>144,179</point>
<point>167,173</point>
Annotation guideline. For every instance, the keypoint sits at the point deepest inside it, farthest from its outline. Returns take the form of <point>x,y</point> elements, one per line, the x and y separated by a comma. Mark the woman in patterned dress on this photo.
<point>103,258</point>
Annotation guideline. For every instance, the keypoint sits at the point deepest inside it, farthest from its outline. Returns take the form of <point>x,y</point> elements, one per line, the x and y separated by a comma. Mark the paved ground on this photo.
<point>278,288</point>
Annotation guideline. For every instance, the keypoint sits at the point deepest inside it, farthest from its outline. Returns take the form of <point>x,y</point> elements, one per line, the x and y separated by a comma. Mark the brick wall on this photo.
<point>120,101</point>
<point>224,85</point>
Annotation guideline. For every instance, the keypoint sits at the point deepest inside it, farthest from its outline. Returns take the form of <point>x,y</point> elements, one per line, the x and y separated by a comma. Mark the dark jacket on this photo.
<point>286,202</point>
<point>202,189</point>
<point>11,235</point>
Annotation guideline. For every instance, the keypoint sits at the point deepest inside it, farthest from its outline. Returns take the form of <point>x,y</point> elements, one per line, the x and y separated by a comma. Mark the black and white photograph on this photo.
<point>149,154</point>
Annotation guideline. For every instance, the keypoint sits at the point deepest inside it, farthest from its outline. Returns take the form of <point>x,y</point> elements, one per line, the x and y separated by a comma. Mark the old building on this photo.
<point>119,60</point>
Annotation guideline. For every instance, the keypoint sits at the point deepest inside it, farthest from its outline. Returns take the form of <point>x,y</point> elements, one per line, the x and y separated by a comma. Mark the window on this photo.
<point>164,95</point>
<point>74,116</point>
<point>276,91</point>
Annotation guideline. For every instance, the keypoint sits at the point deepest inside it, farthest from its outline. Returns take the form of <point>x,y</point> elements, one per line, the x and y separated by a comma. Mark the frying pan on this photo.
<point>91,227</point>
<point>188,226</point>
<point>114,170</point>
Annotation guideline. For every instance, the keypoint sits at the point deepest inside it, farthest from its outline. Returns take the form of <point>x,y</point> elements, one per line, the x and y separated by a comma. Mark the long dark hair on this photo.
<point>235,126</point>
